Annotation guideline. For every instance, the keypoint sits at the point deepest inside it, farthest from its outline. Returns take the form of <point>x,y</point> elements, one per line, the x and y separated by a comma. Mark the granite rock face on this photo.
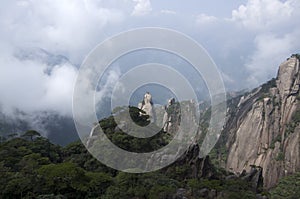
<point>172,116</point>
<point>265,128</point>
<point>147,106</point>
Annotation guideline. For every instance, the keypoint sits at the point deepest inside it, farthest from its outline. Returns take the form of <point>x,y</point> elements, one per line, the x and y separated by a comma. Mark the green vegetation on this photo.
<point>288,188</point>
<point>40,169</point>
<point>280,156</point>
<point>31,134</point>
<point>295,121</point>
<point>296,55</point>
<point>218,155</point>
<point>131,143</point>
<point>33,167</point>
<point>277,139</point>
<point>265,90</point>
<point>269,84</point>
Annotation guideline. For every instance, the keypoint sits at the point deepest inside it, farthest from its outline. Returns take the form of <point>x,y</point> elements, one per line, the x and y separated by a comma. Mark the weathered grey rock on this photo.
<point>254,177</point>
<point>259,196</point>
<point>199,167</point>
<point>203,192</point>
<point>147,106</point>
<point>231,177</point>
<point>212,193</point>
<point>180,194</point>
<point>171,117</point>
<point>257,133</point>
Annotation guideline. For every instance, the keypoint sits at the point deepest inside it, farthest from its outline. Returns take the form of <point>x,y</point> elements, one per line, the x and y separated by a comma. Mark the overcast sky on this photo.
<point>247,39</point>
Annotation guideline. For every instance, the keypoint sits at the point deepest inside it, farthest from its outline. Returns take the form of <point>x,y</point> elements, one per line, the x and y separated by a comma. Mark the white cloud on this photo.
<point>142,8</point>
<point>227,78</point>
<point>69,28</point>
<point>270,51</point>
<point>107,88</point>
<point>168,12</point>
<point>204,19</point>
<point>276,35</point>
<point>27,87</point>
<point>59,88</point>
<point>252,43</point>
<point>264,14</point>
<point>64,27</point>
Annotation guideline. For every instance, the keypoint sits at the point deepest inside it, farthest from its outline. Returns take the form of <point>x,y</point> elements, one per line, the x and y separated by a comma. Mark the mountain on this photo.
<point>261,134</point>
<point>259,147</point>
<point>263,127</point>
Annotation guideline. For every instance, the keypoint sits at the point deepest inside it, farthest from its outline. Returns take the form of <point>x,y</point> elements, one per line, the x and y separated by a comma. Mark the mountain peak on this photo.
<point>288,76</point>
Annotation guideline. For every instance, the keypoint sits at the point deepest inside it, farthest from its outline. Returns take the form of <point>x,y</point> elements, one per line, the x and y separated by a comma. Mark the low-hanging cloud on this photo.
<point>32,85</point>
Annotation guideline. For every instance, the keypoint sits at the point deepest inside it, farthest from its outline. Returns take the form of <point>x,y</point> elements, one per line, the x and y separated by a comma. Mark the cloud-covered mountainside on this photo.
<point>37,81</point>
<point>39,95</point>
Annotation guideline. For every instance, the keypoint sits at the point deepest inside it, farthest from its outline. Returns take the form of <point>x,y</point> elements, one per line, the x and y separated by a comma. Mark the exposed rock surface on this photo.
<point>264,128</point>
<point>181,194</point>
<point>147,106</point>
<point>254,177</point>
<point>199,167</point>
<point>172,116</point>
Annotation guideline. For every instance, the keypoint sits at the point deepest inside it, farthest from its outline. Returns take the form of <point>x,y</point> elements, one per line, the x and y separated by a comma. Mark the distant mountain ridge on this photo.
<point>41,55</point>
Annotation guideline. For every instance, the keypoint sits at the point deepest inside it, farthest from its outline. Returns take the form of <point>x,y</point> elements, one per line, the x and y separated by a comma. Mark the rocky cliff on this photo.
<point>263,128</point>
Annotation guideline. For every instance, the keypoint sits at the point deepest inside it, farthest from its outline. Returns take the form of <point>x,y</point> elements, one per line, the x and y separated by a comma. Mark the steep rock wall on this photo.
<point>264,131</point>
